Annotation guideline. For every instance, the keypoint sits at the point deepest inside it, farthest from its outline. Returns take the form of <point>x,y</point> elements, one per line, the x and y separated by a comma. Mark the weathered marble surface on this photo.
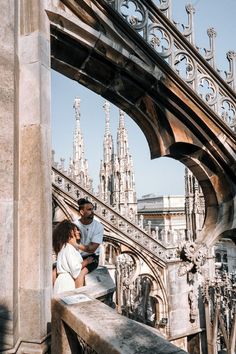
<point>99,328</point>
<point>25,192</point>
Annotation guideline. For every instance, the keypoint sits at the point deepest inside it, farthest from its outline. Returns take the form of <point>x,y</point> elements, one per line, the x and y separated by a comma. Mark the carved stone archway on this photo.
<point>91,45</point>
<point>175,121</point>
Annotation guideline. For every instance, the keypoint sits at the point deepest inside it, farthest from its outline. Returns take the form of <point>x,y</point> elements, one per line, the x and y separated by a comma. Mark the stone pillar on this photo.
<point>25,194</point>
<point>8,163</point>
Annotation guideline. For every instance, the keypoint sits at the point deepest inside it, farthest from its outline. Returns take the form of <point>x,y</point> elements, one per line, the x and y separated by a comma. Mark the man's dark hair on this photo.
<point>82,201</point>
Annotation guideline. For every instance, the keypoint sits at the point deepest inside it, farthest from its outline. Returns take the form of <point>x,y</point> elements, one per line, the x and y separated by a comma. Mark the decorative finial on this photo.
<point>190,9</point>
<point>210,53</point>
<point>76,106</point>
<point>165,7</point>
<point>122,118</point>
<point>231,54</point>
<point>211,32</point>
<point>106,107</point>
<point>231,75</point>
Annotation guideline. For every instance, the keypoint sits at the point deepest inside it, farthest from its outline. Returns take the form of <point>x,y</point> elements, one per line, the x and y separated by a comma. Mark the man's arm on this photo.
<point>90,248</point>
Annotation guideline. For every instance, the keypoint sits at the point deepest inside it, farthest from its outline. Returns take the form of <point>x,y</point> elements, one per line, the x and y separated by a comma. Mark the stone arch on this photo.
<point>112,249</point>
<point>155,272</point>
<point>160,304</point>
<point>135,279</point>
<point>229,234</point>
<point>218,192</point>
<point>113,61</point>
<point>59,202</point>
<point>126,72</point>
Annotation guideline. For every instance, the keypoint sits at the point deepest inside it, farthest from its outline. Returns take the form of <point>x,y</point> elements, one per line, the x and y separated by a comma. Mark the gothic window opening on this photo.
<point>135,298</point>
<point>111,253</point>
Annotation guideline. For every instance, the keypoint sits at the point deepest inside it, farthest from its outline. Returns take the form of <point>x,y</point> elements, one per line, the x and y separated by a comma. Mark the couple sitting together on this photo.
<point>76,245</point>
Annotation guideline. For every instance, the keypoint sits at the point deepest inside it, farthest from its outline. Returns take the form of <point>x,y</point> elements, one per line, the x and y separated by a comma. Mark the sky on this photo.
<point>161,176</point>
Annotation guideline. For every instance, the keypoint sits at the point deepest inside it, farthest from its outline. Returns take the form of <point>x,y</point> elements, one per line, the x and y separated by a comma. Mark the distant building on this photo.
<point>164,215</point>
<point>225,255</point>
<point>163,212</point>
<point>225,248</point>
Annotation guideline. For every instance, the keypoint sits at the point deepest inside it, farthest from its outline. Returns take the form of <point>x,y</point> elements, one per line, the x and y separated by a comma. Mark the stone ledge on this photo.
<point>93,327</point>
<point>104,331</point>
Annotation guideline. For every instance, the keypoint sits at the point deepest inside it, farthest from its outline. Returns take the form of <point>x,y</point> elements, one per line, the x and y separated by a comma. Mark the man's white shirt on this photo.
<point>90,233</point>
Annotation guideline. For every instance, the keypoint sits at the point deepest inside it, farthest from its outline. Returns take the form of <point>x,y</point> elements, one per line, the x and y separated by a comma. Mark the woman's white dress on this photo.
<point>69,265</point>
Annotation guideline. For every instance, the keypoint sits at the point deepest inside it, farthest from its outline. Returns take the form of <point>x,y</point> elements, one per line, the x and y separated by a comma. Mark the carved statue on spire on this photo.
<point>76,106</point>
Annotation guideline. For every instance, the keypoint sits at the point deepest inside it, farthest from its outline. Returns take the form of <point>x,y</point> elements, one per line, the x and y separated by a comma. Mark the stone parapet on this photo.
<point>88,325</point>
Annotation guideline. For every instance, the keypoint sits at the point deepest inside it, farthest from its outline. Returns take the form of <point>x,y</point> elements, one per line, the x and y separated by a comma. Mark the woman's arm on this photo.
<point>80,280</point>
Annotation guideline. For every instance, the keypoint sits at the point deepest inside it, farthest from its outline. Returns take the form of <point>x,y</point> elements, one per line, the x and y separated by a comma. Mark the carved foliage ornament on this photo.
<point>193,256</point>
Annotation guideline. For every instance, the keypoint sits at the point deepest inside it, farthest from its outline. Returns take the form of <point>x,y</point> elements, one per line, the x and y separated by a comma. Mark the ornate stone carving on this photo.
<point>219,295</point>
<point>228,113</point>
<point>144,18</point>
<point>192,298</point>
<point>134,12</point>
<point>159,39</point>
<point>193,256</point>
<point>184,66</point>
<point>133,291</point>
<point>165,7</point>
<point>231,75</point>
<point>207,90</point>
<point>84,347</point>
<point>211,32</point>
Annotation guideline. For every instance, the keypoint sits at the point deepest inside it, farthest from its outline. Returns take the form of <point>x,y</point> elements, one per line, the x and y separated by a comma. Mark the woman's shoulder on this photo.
<point>67,248</point>
<point>70,249</point>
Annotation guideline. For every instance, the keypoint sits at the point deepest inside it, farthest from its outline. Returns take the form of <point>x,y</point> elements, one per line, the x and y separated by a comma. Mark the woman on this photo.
<point>71,268</point>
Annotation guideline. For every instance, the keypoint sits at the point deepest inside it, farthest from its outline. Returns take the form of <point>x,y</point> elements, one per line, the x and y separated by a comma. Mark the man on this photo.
<point>91,233</point>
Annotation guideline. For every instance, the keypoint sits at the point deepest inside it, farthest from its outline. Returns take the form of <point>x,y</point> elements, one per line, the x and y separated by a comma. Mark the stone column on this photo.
<point>8,163</point>
<point>25,194</point>
<point>34,247</point>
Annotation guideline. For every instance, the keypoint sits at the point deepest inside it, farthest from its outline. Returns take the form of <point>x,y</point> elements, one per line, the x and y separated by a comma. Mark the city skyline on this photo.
<point>160,176</point>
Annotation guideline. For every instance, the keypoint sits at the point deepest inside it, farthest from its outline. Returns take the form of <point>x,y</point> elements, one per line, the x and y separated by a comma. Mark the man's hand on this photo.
<point>90,248</point>
<point>87,261</point>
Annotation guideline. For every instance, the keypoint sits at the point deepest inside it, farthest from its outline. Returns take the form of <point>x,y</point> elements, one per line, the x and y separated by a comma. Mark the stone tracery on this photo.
<point>163,39</point>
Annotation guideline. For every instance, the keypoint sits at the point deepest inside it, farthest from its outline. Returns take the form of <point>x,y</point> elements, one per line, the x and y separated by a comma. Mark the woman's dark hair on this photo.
<point>61,234</point>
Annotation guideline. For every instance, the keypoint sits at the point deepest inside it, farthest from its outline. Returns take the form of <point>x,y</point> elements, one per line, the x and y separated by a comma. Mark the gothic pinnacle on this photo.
<point>122,118</point>
<point>106,107</point>
<point>76,106</point>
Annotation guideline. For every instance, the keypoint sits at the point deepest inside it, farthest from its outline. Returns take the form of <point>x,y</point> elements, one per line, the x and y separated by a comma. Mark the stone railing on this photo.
<point>116,221</point>
<point>83,324</point>
<point>178,50</point>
